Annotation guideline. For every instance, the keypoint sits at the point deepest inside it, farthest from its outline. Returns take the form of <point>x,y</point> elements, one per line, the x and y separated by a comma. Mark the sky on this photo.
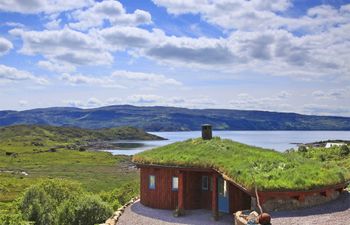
<point>271,55</point>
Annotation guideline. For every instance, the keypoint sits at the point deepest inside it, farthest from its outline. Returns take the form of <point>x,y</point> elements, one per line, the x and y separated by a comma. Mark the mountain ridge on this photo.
<point>163,118</point>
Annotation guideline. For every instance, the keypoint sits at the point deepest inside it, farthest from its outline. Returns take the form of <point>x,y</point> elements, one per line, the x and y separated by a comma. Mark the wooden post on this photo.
<point>180,195</point>
<point>214,198</point>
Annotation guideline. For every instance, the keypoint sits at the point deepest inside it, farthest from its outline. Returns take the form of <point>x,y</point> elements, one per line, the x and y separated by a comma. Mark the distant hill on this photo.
<point>159,118</point>
<point>69,134</point>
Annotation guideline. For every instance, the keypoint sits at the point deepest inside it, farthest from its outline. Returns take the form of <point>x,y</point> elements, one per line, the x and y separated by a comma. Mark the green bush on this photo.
<point>344,150</point>
<point>40,202</point>
<point>87,210</point>
<point>302,148</point>
<point>120,195</point>
<point>57,202</point>
<point>11,219</point>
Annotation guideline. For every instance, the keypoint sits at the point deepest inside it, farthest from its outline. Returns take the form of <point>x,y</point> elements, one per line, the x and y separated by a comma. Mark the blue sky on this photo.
<point>275,55</point>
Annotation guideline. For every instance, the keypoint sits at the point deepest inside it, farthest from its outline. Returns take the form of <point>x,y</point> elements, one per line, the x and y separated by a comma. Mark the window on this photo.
<point>152,182</point>
<point>175,184</point>
<point>205,183</point>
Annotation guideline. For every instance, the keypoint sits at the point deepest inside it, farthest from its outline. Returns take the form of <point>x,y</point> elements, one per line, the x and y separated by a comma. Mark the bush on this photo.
<point>120,195</point>
<point>40,202</point>
<point>87,210</point>
<point>344,150</point>
<point>13,219</point>
<point>302,148</point>
<point>57,202</point>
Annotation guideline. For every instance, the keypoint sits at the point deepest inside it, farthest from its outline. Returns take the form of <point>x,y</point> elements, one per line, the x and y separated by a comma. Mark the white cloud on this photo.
<point>111,11</point>
<point>121,38</point>
<point>121,79</point>
<point>56,67</point>
<point>259,39</point>
<point>90,103</point>
<point>14,75</point>
<point>324,109</point>
<point>65,46</point>
<point>23,103</point>
<point>42,6</point>
<point>79,79</point>
<point>150,78</point>
<point>13,24</point>
<point>257,15</point>
<point>240,14</point>
<point>331,94</point>
<point>5,46</point>
<point>283,95</point>
<point>145,100</point>
<point>246,101</point>
<point>263,40</point>
<point>53,24</point>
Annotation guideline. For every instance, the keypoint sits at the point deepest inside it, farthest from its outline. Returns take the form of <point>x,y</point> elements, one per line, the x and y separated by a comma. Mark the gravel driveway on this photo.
<point>137,214</point>
<point>336,212</point>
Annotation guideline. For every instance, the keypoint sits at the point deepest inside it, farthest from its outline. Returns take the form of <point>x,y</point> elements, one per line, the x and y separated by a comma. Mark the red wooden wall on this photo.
<point>238,199</point>
<point>163,197</point>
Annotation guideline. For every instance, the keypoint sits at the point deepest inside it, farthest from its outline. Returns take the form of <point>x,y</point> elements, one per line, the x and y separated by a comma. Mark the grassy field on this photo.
<point>43,153</point>
<point>270,169</point>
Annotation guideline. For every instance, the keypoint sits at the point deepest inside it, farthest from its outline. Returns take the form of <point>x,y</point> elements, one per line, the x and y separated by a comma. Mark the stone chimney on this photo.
<point>206,132</point>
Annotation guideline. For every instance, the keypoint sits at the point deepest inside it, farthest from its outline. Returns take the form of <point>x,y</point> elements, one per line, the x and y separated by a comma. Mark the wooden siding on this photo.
<point>162,197</point>
<point>238,199</point>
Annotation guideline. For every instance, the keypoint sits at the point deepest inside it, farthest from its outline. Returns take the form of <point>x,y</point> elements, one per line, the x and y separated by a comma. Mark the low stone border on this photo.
<point>115,217</point>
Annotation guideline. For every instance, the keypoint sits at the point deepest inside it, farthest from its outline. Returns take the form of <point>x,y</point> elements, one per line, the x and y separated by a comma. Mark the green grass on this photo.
<point>96,171</point>
<point>246,165</point>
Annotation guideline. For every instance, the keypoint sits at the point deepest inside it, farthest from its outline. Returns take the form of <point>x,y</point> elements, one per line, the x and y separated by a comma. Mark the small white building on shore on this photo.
<point>331,144</point>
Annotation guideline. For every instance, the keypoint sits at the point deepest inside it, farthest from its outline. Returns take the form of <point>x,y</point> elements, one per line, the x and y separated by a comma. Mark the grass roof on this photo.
<point>270,169</point>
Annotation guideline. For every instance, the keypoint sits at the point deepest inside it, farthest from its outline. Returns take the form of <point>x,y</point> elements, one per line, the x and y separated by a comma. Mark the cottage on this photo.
<point>221,175</point>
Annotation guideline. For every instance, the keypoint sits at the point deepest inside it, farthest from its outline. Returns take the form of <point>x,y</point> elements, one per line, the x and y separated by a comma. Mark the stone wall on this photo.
<point>113,220</point>
<point>290,203</point>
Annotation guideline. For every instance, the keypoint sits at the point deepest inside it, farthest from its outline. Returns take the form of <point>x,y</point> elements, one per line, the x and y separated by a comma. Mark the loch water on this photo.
<point>277,140</point>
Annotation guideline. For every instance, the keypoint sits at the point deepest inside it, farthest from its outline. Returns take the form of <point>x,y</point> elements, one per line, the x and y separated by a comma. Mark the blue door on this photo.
<point>223,196</point>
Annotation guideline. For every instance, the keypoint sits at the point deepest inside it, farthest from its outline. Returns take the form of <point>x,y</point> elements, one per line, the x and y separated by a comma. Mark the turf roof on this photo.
<point>244,164</point>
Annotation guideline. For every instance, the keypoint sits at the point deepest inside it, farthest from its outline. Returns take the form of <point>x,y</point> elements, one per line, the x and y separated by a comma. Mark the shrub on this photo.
<point>40,202</point>
<point>344,150</point>
<point>302,148</point>
<point>12,219</point>
<point>120,195</point>
<point>87,210</point>
<point>57,202</point>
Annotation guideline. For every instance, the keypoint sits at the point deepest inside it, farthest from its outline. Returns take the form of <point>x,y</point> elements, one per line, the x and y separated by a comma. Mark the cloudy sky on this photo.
<point>275,55</point>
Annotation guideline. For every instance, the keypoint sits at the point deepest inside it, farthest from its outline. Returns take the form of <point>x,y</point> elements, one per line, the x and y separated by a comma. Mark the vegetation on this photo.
<point>35,134</point>
<point>172,119</point>
<point>37,154</point>
<point>57,202</point>
<point>246,165</point>
<point>337,155</point>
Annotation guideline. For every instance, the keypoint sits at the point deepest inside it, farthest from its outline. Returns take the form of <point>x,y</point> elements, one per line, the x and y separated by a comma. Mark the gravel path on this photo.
<point>137,214</point>
<point>336,212</point>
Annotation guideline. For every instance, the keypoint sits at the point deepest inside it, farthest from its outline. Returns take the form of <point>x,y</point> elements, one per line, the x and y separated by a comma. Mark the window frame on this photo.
<point>152,187</point>
<point>172,183</point>
<point>205,180</point>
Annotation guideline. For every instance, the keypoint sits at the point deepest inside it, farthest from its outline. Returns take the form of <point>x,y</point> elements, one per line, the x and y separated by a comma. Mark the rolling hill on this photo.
<point>160,118</point>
